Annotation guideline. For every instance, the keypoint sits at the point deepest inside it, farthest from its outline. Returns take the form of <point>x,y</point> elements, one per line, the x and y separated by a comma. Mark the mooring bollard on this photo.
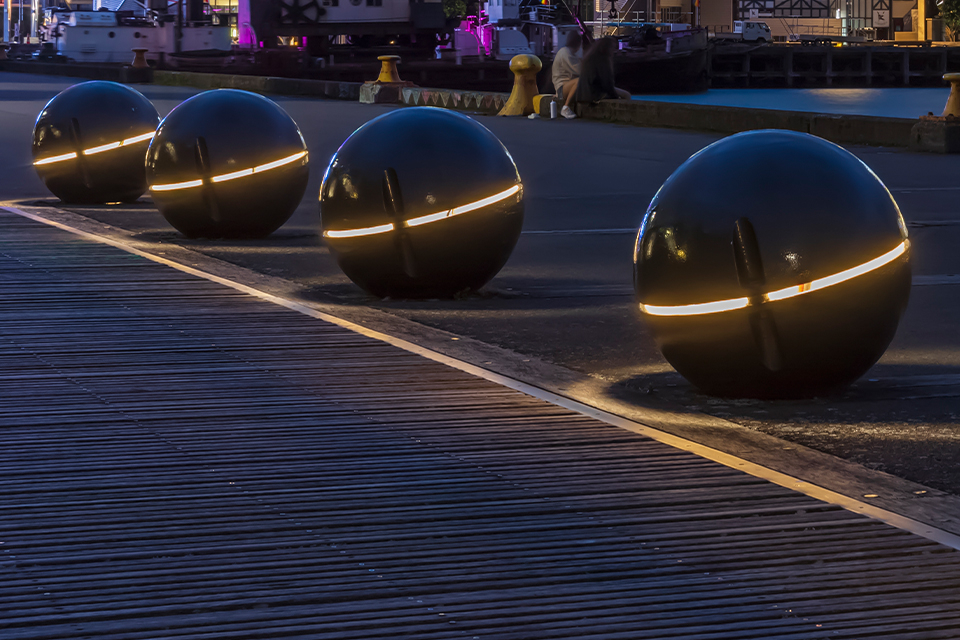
<point>388,70</point>
<point>138,71</point>
<point>940,134</point>
<point>525,68</point>
<point>953,102</point>
<point>139,59</point>
<point>388,87</point>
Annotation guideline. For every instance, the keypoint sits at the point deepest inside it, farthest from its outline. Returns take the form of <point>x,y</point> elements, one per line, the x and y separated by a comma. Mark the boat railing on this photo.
<point>615,19</point>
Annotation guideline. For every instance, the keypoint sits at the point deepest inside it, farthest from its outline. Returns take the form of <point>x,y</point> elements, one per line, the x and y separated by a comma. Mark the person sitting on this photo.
<point>596,74</point>
<point>566,71</point>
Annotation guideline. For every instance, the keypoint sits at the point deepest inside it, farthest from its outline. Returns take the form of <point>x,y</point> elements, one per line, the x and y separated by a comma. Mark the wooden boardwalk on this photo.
<point>179,460</point>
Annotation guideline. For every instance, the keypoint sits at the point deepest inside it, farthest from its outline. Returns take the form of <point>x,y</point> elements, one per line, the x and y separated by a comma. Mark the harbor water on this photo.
<point>889,103</point>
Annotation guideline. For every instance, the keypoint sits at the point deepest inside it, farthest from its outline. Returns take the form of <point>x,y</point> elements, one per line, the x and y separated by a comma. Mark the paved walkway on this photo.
<point>182,460</point>
<point>566,291</point>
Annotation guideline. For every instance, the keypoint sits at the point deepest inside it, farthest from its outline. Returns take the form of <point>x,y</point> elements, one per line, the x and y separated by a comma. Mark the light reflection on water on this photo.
<point>891,103</point>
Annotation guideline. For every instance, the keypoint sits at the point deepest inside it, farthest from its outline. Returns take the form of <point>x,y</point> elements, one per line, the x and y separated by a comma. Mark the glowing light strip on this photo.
<point>66,156</point>
<point>136,139</point>
<point>95,150</point>
<point>780,294</point>
<point>176,185</point>
<point>232,175</point>
<point>279,163</point>
<point>102,148</point>
<point>432,217</point>
<point>696,309</point>
<point>456,211</point>
<point>503,195</point>
<point>837,278</point>
<point>366,231</point>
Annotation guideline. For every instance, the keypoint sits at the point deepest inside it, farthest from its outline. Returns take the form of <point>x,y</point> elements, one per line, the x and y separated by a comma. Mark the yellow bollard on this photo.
<point>388,71</point>
<point>525,68</point>
<point>139,60</point>
<point>388,88</point>
<point>953,102</point>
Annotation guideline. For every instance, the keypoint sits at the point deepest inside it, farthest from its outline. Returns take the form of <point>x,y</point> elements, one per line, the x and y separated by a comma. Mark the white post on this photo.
<point>6,21</point>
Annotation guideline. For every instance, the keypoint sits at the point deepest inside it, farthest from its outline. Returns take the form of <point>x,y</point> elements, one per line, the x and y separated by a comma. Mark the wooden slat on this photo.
<point>181,461</point>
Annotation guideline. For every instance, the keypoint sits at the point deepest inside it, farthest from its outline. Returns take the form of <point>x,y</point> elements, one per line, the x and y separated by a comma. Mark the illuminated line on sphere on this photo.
<point>432,217</point>
<point>279,163</point>
<point>366,231</point>
<point>779,294</point>
<point>233,175</point>
<point>456,211</point>
<point>696,309</point>
<point>837,278</point>
<point>66,156</point>
<point>176,185</point>
<point>104,147</point>
<point>503,195</point>
<point>95,150</point>
<point>136,139</point>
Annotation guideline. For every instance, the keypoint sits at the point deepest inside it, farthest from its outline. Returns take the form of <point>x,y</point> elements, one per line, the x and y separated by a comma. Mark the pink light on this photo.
<point>245,35</point>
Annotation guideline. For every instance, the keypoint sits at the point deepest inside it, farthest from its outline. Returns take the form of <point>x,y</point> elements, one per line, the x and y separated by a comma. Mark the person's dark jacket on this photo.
<point>596,78</point>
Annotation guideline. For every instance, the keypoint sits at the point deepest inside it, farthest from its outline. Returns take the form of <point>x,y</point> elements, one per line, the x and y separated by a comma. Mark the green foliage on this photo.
<point>950,12</point>
<point>454,8</point>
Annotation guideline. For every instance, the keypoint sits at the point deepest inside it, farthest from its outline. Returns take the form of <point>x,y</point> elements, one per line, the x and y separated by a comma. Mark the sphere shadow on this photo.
<point>899,419</point>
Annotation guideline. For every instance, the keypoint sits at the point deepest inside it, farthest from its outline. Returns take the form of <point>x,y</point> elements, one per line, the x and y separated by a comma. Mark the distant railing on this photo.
<point>714,29</point>
<point>816,30</point>
<point>614,19</point>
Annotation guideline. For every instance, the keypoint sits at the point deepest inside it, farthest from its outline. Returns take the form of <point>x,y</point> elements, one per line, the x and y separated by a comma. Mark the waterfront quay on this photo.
<point>730,66</point>
<point>228,439</point>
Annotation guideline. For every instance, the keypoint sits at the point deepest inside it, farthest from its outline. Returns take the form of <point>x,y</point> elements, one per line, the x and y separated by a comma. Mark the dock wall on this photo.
<point>826,66</point>
<point>843,129</point>
<point>261,84</point>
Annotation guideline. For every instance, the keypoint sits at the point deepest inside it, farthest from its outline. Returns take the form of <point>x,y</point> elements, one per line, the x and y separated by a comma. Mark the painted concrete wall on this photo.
<point>715,13</point>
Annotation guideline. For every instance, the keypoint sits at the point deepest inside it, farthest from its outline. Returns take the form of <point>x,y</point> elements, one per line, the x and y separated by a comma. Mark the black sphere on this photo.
<point>90,141</point>
<point>421,202</point>
<point>772,264</point>
<point>227,164</point>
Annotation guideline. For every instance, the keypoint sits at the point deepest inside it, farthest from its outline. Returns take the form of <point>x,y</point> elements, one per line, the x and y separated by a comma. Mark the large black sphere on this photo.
<point>795,256</point>
<point>90,140</point>
<point>227,164</point>
<point>421,202</point>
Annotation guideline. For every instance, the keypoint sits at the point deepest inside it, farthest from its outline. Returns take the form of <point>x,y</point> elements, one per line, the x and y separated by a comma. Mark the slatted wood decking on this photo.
<point>180,460</point>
